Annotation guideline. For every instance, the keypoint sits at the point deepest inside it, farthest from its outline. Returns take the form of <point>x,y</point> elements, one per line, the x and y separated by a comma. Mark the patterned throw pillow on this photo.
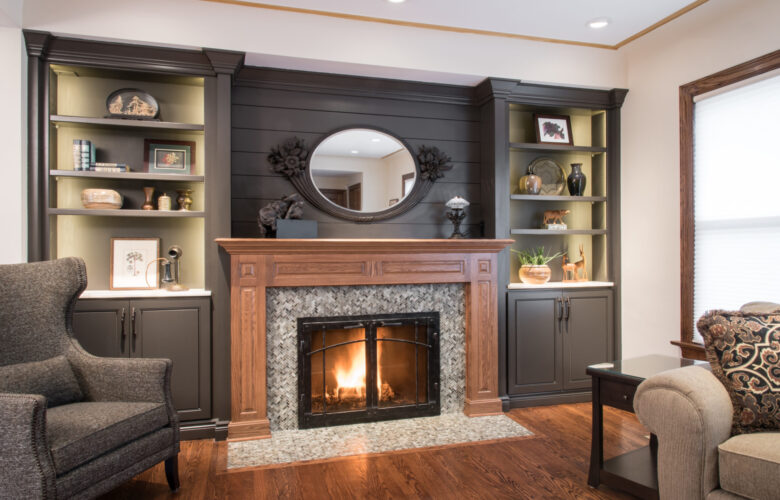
<point>744,351</point>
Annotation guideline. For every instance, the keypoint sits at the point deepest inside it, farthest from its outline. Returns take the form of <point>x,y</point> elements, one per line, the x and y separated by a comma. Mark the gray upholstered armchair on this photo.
<point>73,424</point>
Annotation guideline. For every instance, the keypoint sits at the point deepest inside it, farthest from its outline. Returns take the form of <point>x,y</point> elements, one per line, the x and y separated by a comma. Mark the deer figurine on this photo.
<point>574,268</point>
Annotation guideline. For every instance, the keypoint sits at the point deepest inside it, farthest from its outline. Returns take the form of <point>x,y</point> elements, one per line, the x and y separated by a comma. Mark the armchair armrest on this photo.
<point>26,467</point>
<point>690,412</point>
<point>123,379</point>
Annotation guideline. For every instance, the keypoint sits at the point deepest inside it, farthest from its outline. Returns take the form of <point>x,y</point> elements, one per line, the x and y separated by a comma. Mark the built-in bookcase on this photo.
<point>587,220</point>
<point>77,110</point>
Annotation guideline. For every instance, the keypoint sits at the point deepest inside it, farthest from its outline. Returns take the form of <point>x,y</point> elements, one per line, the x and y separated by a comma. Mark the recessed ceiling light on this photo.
<point>376,139</point>
<point>354,151</point>
<point>396,1</point>
<point>598,23</point>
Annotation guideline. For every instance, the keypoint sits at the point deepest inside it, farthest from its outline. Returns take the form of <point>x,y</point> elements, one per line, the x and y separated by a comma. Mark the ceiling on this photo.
<point>557,21</point>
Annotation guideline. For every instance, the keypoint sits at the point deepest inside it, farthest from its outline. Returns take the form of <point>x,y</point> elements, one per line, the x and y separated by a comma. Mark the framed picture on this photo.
<point>168,157</point>
<point>553,129</point>
<point>130,263</point>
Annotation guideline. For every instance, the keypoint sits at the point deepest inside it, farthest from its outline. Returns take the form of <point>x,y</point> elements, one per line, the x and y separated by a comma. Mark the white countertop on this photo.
<point>560,284</point>
<point>142,294</point>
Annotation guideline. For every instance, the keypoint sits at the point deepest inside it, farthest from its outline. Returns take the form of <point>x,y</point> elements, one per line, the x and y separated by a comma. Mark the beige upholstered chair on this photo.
<point>73,425</point>
<point>690,412</point>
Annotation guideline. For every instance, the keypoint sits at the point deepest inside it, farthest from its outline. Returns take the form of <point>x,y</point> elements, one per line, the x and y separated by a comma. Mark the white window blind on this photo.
<point>736,198</point>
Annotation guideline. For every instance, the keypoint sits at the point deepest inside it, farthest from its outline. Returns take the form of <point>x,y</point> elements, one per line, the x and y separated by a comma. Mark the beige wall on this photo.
<point>715,36</point>
<point>13,171</point>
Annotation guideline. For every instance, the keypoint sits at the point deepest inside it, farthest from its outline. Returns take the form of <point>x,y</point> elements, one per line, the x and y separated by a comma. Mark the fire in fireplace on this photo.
<point>366,368</point>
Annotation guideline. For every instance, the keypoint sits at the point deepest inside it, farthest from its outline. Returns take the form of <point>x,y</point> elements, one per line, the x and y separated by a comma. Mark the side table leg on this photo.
<point>596,444</point>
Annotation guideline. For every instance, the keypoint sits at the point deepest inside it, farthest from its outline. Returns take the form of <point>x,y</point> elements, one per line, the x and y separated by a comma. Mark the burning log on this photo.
<point>387,393</point>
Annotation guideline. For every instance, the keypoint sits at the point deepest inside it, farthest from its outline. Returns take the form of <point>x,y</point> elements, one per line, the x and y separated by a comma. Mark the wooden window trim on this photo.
<point>688,92</point>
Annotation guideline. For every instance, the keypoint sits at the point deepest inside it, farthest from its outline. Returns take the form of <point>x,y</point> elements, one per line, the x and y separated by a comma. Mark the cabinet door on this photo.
<point>587,335</point>
<point>180,330</point>
<point>101,326</point>
<point>534,363</point>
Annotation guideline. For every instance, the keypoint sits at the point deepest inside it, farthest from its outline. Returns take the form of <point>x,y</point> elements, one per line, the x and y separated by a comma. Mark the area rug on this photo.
<point>286,446</point>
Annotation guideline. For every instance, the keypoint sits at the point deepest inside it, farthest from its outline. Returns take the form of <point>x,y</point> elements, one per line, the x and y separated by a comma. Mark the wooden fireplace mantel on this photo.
<point>256,264</point>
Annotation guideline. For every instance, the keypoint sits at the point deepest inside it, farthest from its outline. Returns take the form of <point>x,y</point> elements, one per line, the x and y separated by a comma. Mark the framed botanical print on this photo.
<point>168,157</point>
<point>133,263</point>
<point>553,129</point>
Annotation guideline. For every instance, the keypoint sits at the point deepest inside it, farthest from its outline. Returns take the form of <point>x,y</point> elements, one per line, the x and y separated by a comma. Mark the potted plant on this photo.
<point>533,265</point>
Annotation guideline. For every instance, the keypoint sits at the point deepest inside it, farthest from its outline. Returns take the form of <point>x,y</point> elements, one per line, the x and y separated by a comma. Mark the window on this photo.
<point>730,214</point>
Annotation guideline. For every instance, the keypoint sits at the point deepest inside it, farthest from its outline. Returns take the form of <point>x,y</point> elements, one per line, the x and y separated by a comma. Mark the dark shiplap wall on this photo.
<point>270,106</point>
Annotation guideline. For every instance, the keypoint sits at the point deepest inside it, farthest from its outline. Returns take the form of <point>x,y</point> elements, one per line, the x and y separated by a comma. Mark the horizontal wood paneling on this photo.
<point>341,103</point>
<point>383,230</point>
<point>306,120</point>
<point>272,106</point>
<point>261,142</point>
<point>246,209</point>
<point>250,186</point>
<point>256,164</point>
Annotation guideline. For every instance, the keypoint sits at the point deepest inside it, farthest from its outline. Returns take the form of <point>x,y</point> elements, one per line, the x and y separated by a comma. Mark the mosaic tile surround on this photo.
<point>284,305</point>
<point>345,440</point>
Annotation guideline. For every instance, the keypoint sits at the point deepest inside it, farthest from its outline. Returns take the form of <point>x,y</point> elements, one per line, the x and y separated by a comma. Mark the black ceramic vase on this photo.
<point>576,180</point>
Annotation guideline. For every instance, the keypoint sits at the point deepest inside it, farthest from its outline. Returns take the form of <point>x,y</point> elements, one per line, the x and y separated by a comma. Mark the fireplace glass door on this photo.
<point>366,368</point>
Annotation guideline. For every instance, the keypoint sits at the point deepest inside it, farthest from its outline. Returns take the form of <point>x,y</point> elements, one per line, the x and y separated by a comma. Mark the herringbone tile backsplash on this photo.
<point>286,305</point>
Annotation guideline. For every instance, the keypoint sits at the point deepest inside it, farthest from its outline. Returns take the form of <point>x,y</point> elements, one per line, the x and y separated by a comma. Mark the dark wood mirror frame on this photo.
<point>291,159</point>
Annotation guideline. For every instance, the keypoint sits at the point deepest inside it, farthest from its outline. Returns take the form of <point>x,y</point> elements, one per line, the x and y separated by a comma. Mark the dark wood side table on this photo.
<point>614,384</point>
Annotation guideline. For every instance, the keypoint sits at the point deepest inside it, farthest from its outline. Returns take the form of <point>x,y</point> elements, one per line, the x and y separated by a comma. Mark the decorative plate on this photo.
<point>553,175</point>
<point>132,103</point>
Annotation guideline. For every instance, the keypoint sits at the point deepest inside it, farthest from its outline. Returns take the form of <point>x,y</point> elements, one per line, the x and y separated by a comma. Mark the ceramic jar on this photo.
<point>576,180</point>
<point>164,202</point>
<point>535,275</point>
<point>101,199</point>
<point>530,184</point>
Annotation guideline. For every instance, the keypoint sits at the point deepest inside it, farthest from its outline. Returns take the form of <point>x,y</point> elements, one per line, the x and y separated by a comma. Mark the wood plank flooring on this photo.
<point>551,464</point>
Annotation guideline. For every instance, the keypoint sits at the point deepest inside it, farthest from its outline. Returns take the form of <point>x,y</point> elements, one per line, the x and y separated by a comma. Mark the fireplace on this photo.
<point>367,368</point>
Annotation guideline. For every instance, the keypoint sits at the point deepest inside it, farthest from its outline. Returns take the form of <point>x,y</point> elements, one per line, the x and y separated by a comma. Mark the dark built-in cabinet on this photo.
<point>176,328</point>
<point>69,81</point>
<point>553,336</point>
<point>553,331</point>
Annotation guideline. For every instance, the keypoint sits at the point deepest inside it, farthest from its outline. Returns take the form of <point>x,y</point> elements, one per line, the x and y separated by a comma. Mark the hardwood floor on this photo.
<point>551,464</point>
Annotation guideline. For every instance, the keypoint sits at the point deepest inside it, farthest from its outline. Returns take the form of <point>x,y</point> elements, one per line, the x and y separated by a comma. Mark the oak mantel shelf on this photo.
<point>269,246</point>
<point>257,264</point>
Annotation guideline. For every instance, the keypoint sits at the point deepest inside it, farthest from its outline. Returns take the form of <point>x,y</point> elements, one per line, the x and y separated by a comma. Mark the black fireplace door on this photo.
<point>367,368</point>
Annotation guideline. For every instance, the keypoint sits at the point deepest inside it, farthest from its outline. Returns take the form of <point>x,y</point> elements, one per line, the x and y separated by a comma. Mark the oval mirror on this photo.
<point>363,170</point>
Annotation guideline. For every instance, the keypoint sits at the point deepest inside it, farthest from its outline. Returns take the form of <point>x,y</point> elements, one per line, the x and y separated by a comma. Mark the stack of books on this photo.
<point>84,159</point>
<point>109,167</point>
<point>83,154</point>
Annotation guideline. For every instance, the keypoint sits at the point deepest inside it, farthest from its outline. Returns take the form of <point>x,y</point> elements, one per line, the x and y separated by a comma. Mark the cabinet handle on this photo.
<point>132,327</point>
<point>560,308</point>
<point>568,308</point>
<point>123,333</point>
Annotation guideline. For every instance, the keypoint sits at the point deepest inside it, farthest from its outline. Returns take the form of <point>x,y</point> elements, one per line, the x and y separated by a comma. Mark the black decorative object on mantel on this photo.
<point>292,159</point>
<point>289,207</point>
<point>456,214</point>
<point>576,180</point>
